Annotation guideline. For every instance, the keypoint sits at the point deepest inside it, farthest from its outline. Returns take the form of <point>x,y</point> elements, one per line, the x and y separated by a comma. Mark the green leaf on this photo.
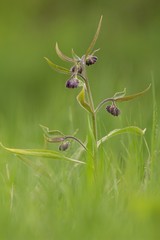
<point>75,56</point>
<point>95,51</point>
<point>130,97</point>
<point>63,56</point>
<point>57,67</point>
<point>82,101</point>
<point>120,94</point>
<point>52,135</point>
<point>42,153</point>
<point>91,46</point>
<point>130,129</point>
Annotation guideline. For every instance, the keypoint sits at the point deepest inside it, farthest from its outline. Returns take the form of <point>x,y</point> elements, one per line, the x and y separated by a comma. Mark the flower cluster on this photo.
<point>78,78</point>
<point>77,70</point>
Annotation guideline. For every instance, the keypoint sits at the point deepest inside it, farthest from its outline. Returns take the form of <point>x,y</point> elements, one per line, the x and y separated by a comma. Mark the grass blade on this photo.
<point>38,168</point>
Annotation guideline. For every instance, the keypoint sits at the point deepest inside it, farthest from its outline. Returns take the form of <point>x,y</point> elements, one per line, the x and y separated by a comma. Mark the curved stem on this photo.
<point>103,102</point>
<point>77,140</point>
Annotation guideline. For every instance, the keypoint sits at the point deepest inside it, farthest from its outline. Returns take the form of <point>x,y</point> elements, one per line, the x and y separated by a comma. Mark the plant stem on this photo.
<point>103,102</point>
<point>91,103</point>
<point>77,140</point>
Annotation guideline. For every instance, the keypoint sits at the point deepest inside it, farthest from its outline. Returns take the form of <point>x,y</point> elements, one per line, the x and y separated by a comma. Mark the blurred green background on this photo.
<point>32,94</point>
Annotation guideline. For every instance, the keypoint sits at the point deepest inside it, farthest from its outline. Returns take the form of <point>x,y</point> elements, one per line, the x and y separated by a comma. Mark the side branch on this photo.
<point>77,140</point>
<point>103,102</point>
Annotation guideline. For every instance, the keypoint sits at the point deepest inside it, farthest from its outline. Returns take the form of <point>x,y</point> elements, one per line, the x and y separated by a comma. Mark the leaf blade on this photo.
<point>130,129</point>
<point>57,68</point>
<point>53,136</point>
<point>43,153</point>
<point>118,95</point>
<point>94,38</point>
<point>130,97</point>
<point>81,100</point>
<point>62,55</point>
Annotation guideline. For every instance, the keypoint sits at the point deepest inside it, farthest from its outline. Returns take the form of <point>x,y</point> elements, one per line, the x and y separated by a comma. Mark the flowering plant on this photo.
<point>78,79</point>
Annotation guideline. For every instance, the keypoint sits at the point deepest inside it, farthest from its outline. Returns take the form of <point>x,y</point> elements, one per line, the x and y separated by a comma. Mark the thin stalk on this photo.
<point>77,140</point>
<point>91,103</point>
<point>94,122</point>
<point>102,103</point>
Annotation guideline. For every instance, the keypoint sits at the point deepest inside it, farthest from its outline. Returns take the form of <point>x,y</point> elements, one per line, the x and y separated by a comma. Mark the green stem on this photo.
<point>91,103</point>
<point>77,140</point>
<point>103,102</point>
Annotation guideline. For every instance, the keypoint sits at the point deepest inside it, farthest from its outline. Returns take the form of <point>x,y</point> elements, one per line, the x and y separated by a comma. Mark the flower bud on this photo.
<point>64,146</point>
<point>113,110</point>
<point>91,60</point>
<point>72,83</point>
<point>76,69</point>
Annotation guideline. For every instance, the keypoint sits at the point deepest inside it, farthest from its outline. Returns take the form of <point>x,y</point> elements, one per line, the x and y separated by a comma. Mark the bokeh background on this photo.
<point>32,94</point>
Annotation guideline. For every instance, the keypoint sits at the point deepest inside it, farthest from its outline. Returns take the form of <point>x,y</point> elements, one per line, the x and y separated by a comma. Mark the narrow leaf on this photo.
<point>91,46</point>
<point>43,153</point>
<point>63,56</point>
<point>75,56</point>
<point>130,97</point>
<point>120,94</point>
<point>95,51</point>
<point>82,101</point>
<point>51,133</point>
<point>57,67</point>
<point>130,129</point>
<point>53,136</point>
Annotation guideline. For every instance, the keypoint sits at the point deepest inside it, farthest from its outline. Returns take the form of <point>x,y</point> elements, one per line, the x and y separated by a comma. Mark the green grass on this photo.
<point>118,201</point>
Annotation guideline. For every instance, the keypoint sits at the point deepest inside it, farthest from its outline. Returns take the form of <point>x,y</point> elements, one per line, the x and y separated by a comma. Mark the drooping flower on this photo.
<point>91,60</point>
<point>72,83</point>
<point>76,69</point>
<point>113,110</point>
<point>64,146</point>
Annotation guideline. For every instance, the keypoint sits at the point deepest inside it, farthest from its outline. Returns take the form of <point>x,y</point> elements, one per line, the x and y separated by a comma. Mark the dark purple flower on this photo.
<point>91,60</point>
<point>72,83</point>
<point>113,110</point>
<point>64,146</point>
<point>76,69</point>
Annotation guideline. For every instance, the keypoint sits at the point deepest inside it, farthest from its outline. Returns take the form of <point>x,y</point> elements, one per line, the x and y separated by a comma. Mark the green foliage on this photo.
<point>82,101</point>
<point>57,68</point>
<point>42,153</point>
<point>123,98</point>
<point>92,44</point>
<point>115,132</point>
